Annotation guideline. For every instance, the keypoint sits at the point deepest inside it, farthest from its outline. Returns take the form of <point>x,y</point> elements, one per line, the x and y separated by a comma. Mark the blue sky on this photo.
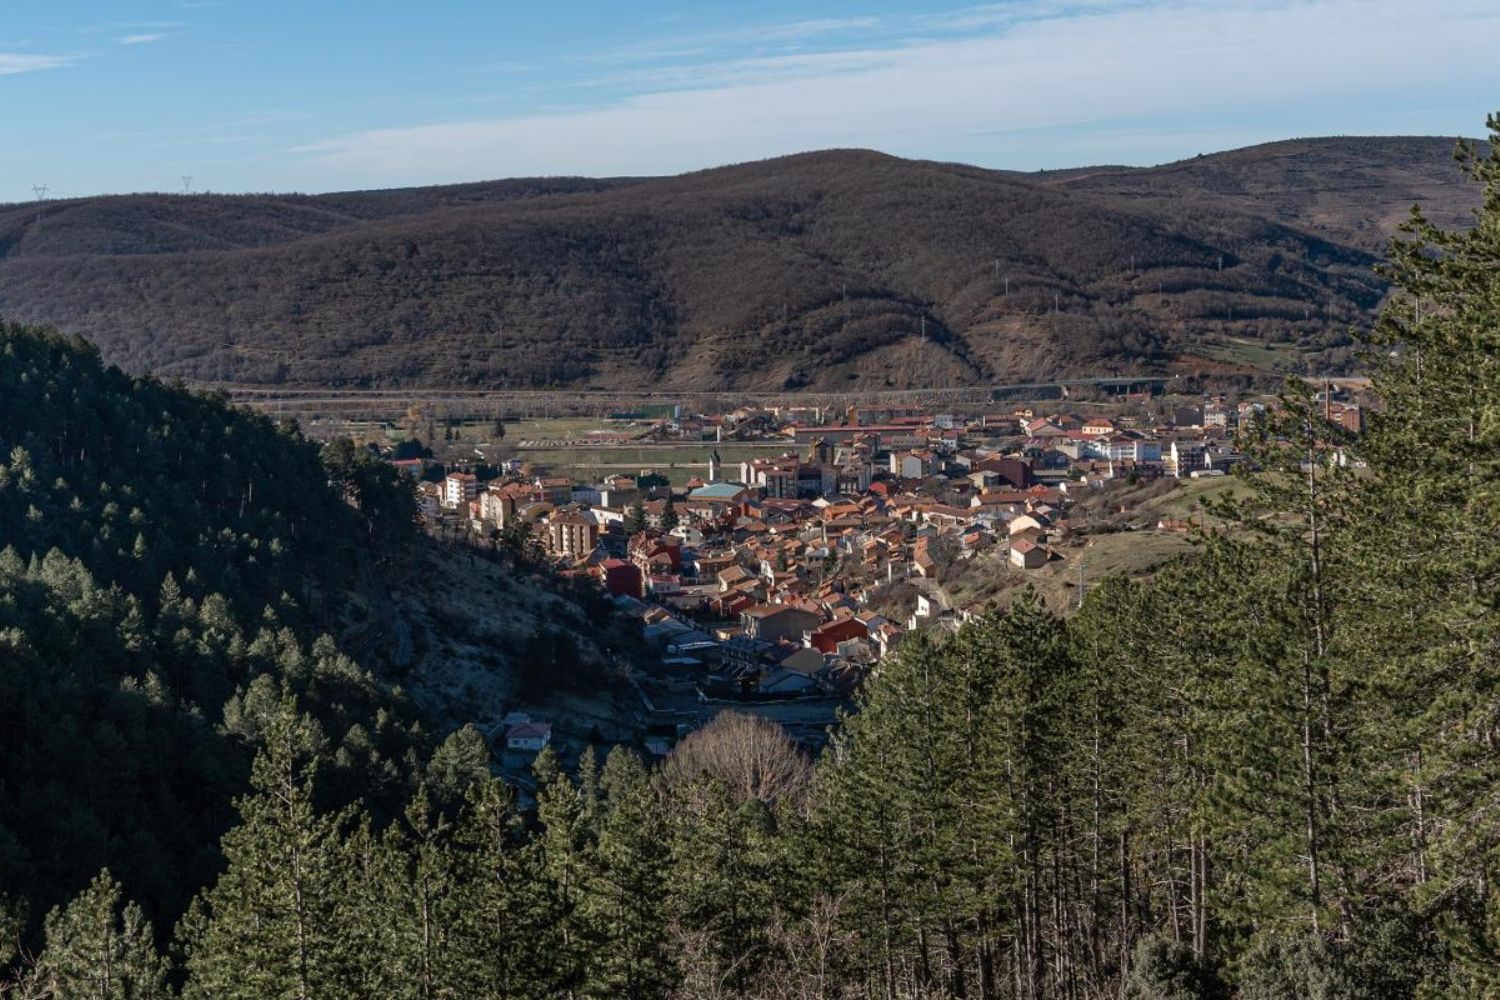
<point>310,95</point>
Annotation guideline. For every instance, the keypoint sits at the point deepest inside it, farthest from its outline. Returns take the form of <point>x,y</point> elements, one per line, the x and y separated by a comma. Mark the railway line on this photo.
<point>371,402</point>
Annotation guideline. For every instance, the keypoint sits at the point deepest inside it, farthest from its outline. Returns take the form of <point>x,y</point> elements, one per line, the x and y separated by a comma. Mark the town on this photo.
<point>775,583</point>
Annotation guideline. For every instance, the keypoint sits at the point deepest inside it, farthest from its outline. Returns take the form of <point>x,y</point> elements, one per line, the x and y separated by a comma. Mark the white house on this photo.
<point>459,488</point>
<point>689,535</point>
<point>1027,555</point>
<point>528,737</point>
<point>1134,450</point>
<point>1026,522</point>
<point>910,465</point>
<point>1184,458</point>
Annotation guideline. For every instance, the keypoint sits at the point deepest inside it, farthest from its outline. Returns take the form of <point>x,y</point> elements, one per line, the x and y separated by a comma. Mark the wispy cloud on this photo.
<point>12,63</point>
<point>1005,15</point>
<point>797,31</point>
<point>756,69</point>
<point>145,39</point>
<point>1071,69</point>
<point>774,36</point>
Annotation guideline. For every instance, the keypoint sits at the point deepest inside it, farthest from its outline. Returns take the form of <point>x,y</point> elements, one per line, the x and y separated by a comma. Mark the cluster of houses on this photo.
<point>764,579</point>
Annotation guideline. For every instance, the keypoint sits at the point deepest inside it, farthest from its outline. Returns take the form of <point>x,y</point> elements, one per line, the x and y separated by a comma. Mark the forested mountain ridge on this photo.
<point>835,269</point>
<point>166,567</point>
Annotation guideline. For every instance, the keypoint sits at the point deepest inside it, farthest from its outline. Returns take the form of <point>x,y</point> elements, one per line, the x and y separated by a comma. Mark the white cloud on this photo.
<point>797,31</point>
<point>707,44</point>
<point>21,62</point>
<point>1063,68</point>
<point>760,69</point>
<point>141,39</point>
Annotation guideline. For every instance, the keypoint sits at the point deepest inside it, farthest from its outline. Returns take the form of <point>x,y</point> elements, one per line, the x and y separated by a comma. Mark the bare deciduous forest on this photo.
<point>839,269</point>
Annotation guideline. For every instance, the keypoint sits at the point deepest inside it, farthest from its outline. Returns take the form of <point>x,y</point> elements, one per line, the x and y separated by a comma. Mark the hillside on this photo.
<point>166,565</point>
<point>840,269</point>
<point>1354,191</point>
<point>173,573</point>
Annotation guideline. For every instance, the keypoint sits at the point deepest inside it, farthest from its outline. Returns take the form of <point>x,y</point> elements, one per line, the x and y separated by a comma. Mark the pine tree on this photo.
<point>567,842</point>
<point>724,887</point>
<point>277,922</point>
<point>938,804</point>
<point>508,928</point>
<point>864,799</point>
<point>626,902</point>
<point>1293,694</point>
<point>1429,624</point>
<point>460,762</point>
<point>100,947</point>
<point>405,907</point>
<point>635,518</point>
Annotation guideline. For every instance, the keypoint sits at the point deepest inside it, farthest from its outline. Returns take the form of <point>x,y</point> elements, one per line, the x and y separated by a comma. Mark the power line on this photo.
<point>187,183</point>
<point>40,190</point>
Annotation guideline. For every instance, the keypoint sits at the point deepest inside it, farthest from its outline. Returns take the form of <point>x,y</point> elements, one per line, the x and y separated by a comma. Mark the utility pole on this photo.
<point>187,183</point>
<point>40,190</point>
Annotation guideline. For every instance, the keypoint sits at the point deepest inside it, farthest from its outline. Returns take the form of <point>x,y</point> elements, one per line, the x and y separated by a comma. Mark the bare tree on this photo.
<point>752,756</point>
<point>812,947</point>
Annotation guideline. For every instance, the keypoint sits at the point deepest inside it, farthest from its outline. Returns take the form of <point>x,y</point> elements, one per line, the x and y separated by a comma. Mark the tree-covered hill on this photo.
<point>836,269</point>
<point>1353,191</point>
<point>166,566</point>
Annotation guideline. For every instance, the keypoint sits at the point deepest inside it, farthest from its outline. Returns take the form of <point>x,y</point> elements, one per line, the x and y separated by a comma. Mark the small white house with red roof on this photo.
<point>529,737</point>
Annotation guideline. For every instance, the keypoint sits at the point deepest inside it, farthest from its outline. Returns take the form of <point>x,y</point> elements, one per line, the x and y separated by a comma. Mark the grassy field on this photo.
<point>678,462</point>
<point>1128,553</point>
<point>1251,353</point>
<point>1191,495</point>
<point>553,428</point>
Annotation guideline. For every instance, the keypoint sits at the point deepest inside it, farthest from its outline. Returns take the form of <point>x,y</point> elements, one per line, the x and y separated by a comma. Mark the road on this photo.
<point>323,396</point>
<point>281,400</point>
